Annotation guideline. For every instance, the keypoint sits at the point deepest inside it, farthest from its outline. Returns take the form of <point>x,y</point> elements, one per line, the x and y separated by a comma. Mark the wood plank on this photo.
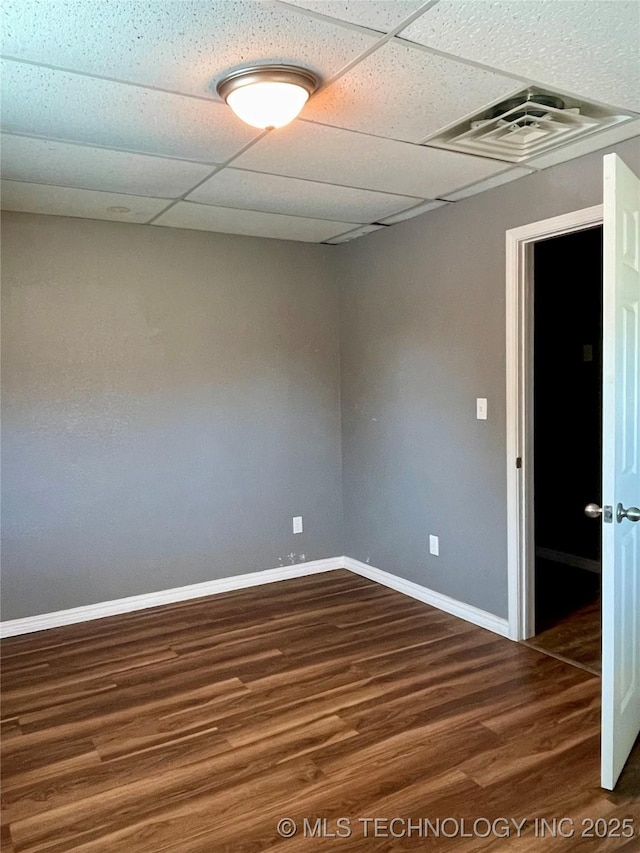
<point>576,638</point>
<point>195,727</point>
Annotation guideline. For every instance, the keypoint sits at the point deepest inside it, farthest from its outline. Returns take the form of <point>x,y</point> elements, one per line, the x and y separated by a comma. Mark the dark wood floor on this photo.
<point>560,590</point>
<point>196,727</point>
<point>568,614</point>
<point>576,638</point>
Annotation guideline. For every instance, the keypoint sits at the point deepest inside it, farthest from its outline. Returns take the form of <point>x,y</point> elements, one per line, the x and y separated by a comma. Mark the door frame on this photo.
<point>519,408</point>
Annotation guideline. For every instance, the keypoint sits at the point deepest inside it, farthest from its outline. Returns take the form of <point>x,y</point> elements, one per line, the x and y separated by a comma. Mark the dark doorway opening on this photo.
<point>568,443</point>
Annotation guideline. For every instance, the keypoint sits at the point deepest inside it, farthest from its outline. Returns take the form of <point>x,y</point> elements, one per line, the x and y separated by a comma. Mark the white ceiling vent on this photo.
<point>527,125</point>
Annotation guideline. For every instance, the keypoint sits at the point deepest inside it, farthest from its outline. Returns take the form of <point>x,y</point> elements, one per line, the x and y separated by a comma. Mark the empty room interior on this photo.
<point>320,425</point>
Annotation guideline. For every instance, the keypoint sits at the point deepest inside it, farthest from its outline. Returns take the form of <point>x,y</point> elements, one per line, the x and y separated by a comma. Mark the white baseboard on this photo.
<point>429,596</point>
<point>59,618</point>
<point>569,560</point>
<point>29,624</point>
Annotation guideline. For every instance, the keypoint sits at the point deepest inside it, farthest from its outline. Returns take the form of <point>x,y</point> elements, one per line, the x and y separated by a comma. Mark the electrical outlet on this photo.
<point>434,546</point>
<point>297,524</point>
<point>481,408</point>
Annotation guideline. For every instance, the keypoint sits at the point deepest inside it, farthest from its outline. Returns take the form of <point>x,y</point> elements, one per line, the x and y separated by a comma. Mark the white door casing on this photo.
<point>519,353</point>
<point>620,468</point>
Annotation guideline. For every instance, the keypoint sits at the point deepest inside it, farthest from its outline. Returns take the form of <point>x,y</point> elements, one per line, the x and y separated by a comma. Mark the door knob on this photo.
<point>593,511</point>
<point>632,513</point>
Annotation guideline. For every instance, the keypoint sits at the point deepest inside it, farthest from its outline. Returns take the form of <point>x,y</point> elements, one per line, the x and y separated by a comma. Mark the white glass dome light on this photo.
<point>268,104</point>
<point>267,96</point>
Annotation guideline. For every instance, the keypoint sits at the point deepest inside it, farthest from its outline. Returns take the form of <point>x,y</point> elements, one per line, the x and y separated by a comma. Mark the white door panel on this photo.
<point>620,468</point>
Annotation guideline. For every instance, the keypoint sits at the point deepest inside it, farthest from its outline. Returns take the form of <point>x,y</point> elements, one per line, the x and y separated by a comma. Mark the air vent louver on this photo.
<point>526,126</point>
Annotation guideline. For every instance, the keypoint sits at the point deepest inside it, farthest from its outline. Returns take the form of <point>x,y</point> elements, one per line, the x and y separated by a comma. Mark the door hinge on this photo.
<point>518,461</point>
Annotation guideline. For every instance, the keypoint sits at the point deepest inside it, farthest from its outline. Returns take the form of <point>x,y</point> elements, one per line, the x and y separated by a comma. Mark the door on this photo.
<point>620,469</point>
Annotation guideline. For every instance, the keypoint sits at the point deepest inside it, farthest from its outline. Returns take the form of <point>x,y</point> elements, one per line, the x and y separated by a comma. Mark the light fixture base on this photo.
<point>250,75</point>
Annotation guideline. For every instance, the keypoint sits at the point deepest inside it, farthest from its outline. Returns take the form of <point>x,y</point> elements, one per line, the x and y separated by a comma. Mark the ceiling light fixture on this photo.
<point>267,96</point>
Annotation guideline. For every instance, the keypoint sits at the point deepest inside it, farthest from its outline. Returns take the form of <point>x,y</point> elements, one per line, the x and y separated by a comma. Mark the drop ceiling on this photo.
<point>109,109</point>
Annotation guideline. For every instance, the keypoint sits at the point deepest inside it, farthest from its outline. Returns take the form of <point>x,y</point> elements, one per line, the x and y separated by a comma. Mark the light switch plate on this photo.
<point>481,408</point>
<point>434,546</point>
<point>297,524</point>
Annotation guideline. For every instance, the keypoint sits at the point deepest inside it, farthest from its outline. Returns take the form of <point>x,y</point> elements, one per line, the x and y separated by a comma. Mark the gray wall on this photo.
<point>172,398</point>
<point>423,335</point>
<point>170,401</point>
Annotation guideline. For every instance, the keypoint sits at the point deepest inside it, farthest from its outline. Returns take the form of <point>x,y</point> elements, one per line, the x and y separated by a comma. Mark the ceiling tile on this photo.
<point>488,184</point>
<point>181,46</point>
<point>204,217</point>
<point>586,146</point>
<point>381,15</point>
<point>61,105</point>
<point>276,194</point>
<point>405,93</point>
<point>88,204</point>
<point>588,47</point>
<point>319,153</point>
<point>42,161</point>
